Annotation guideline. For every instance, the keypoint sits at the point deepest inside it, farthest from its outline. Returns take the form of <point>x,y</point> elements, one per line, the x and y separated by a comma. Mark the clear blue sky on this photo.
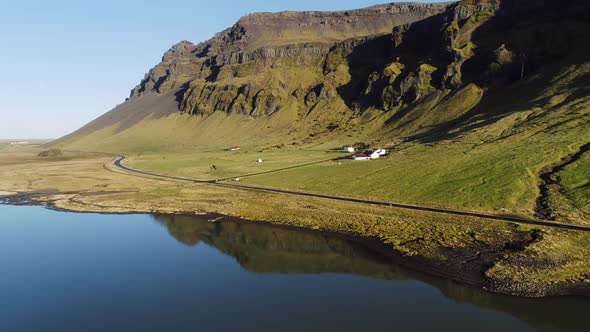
<point>63,63</point>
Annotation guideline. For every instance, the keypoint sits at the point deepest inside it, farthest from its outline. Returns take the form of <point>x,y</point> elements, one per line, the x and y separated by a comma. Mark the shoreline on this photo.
<point>470,273</point>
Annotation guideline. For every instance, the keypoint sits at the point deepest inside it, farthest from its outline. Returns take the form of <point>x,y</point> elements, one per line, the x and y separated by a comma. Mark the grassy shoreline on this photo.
<point>494,255</point>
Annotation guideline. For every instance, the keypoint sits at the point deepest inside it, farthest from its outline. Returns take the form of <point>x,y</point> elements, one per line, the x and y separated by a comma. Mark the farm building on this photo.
<point>372,154</point>
<point>234,148</point>
<point>361,156</point>
<point>375,154</point>
<point>348,149</point>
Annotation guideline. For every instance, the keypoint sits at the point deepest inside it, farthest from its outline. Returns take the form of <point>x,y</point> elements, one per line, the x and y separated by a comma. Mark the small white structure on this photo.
<point>234,148</point>
<point>381,152</point>
<point>370,154</point>
<point>259,160</point>
<point>361,156</point>
<point>373,154</point>
<point>348,149</point>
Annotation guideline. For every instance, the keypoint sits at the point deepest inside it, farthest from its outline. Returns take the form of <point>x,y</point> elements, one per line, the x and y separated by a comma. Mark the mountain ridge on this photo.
<point>263,30</point>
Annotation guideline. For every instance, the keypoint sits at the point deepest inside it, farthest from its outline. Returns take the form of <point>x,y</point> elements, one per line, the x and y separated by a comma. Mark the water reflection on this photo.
<point>266,249</point>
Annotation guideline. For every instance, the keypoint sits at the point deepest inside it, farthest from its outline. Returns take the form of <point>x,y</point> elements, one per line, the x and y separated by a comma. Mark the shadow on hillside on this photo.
<point>372,56</point>
<point>544,38</point>
<point>180,93</point>
<point>365,59</point>
<point>500,102</point>
<point>543,44</point>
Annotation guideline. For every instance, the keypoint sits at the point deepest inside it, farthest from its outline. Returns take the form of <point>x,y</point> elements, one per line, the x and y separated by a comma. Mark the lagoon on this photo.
<point>63,271</point>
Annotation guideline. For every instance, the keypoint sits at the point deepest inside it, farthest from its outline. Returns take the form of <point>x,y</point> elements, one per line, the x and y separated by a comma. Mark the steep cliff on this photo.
<point>426,69</point>
<point>271,35</point>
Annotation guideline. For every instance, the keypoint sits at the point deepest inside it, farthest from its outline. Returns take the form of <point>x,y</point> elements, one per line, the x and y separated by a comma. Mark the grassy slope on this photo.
<point>487,167</point>
<point>484,161</point>
<point>575,180</point>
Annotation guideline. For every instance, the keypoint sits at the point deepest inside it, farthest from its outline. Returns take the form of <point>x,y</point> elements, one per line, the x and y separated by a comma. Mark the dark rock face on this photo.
<point>309,50</point>
<point>485,42</point>
<point>177,63</point>
<point>264,36</point>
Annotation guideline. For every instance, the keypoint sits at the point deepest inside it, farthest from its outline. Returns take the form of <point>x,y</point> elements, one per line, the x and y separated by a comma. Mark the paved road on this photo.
<point>513,219</point>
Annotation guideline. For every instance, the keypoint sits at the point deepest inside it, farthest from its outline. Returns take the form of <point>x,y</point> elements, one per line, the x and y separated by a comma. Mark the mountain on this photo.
<point>494,95</point>
<point>428,67</point>
<point>265,63</point>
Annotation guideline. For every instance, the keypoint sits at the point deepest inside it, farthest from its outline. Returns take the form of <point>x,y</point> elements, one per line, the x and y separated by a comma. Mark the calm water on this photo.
<point>85,272</point>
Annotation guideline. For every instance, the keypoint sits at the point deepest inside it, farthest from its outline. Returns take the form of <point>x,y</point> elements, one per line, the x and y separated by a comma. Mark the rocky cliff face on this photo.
<point>422,66</point>
<point>481,42</point>
<point>264,36</point>
<point>385,56</point>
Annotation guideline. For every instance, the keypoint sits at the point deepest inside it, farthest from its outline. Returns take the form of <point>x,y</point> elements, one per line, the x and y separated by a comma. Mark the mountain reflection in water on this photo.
<point>260,248</point>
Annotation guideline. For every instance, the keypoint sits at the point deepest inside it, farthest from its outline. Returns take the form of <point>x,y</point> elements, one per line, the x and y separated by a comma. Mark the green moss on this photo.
<point>452,31</point>
<point>335,59</point>
<point>427,68</point>
<point>424,86</point>
<point>393,70</point>
<point>467,51</point>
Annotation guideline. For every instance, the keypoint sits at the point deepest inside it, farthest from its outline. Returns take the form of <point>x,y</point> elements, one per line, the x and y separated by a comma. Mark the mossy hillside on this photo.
<point>490,166</point>
<point>432,112</point>
<point>487,167</point>
<point>255,88</point>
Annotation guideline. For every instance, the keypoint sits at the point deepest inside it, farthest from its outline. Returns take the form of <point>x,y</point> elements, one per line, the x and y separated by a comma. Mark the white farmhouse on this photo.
<point>373,154</point>
<point>348,149</point>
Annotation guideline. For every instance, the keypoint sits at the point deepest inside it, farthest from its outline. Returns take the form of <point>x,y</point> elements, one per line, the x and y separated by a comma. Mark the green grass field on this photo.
<point>486,177</point>
<point>575,180</point>
<point>215,163</point>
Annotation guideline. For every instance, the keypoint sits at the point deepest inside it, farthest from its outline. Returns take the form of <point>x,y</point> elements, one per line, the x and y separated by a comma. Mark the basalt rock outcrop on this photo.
<point>267,36</point>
